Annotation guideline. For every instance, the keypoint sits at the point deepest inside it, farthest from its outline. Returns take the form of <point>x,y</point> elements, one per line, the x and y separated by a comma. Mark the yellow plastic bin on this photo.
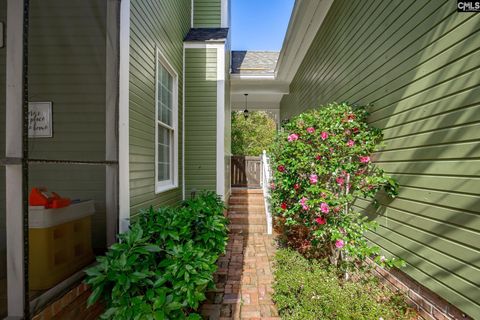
<point>59,243</point>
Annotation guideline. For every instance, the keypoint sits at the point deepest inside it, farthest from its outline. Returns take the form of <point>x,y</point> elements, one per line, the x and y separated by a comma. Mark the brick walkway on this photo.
<point>244,277</point>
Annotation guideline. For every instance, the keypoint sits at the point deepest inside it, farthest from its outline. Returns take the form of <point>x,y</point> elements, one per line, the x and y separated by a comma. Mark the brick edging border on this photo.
<point>73,301</point>
<point>428,304</point>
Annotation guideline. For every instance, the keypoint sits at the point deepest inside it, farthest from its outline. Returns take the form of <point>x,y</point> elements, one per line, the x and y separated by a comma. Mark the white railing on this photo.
<point>265,183</point>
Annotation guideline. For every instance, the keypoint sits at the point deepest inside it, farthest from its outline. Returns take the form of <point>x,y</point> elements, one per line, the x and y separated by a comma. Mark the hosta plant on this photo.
<point>322,162</point>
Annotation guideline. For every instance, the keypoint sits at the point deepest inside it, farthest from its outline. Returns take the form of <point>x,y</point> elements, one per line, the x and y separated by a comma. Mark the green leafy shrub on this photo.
<point>310,289</point>
<point>162,266</point>
<point>322,163</point>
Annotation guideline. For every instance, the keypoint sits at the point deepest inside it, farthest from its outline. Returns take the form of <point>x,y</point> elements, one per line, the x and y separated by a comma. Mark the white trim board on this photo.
<point>224,17</point>
<point>13,148</point>
<point>111,138</point>
<point>307,18</point>
<point>221,120</point>
<point>123,121</point>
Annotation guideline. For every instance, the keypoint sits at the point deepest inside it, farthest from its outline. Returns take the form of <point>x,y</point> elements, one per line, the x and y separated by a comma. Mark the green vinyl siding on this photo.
<point>418,64</point>
<point>67,53</point>
<point>207,13</point>
<point>163,25</point>
<point>200,119</point>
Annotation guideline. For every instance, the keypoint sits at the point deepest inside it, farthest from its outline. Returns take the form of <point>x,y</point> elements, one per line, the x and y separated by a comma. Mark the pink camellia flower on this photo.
<point>320,220</point>
<point>324,207</point>
<point>310,129</point>
<point>318,157</point>
<point>324,135</point>
<point>340,181</point>
<point>296,186</point>
<point>365,159</point>
<point>303,202</point>
<point>350,143</point>
<point>313,178</point>
<point>356,130</point>
<point>339,244</point>
<point>281,168</point>
<point>348,132</point>
<point>283,206</point>
<point>293,137</point>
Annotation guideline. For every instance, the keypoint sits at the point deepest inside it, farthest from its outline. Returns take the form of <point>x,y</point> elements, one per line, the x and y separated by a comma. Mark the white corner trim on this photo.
<point>124,121</point>
<point>192,13</point>
<point>305,22</point>
<point>203,44</point>
<point>183,123</point>
<point>220,120</point>
<point>13,148</point>
<point>224,18</point>
<point>173,183</point>
<point>111,135</point>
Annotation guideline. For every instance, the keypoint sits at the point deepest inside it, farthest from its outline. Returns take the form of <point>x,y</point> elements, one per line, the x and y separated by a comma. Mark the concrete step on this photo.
<point>241,228</point>
<point>245,219</point>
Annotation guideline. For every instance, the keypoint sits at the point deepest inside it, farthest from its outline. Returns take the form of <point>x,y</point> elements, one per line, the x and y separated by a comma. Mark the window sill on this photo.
<point>165,188</point>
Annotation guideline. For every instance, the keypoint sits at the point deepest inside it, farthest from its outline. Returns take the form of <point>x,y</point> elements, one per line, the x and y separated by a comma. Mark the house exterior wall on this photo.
<point>162,25</point>
<point>200,119</point>
<point>207,13</point>
<point>67,67</point>
<point>418,63</point>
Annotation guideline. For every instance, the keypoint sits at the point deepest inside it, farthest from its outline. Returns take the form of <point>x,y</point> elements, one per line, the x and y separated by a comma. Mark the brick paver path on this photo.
<point>244,277</point>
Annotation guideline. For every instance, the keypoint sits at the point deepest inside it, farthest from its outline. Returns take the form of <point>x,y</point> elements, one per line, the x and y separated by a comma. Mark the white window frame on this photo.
<point>162,186</point>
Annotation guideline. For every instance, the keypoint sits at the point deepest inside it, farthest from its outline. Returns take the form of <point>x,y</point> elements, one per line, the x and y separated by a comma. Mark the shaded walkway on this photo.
<point>244,277</point>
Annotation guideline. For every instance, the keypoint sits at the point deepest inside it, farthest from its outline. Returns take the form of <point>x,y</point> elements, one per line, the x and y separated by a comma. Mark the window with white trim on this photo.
<point>166,135</point>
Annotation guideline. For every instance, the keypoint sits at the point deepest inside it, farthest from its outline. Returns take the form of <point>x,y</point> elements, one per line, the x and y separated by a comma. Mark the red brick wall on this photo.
<point>71,306</point>
<point>428,304</point>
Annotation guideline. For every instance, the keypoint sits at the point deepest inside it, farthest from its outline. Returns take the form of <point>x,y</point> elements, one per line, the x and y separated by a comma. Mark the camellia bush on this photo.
<point>322,163</point>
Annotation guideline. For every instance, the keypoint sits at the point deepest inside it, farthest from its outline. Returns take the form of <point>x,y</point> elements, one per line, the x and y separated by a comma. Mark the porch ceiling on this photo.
<point>253,72</point>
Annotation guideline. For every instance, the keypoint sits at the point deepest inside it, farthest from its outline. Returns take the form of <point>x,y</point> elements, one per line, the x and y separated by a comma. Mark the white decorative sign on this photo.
<point>40,120</point>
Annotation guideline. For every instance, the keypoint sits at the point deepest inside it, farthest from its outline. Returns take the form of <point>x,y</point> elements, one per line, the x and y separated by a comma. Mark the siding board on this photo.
<point>418,64</point>
<point>207,13</point>
<point>163,25</point>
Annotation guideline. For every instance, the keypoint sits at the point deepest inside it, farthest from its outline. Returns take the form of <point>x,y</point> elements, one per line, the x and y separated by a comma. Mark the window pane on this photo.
<point>164,153</point>
<point>165,77</point>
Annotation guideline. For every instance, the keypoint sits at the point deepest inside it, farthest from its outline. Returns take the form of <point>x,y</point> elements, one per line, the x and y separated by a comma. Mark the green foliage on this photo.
<point>321,164</point>
<point>162,266</point>
<point>252,135</point>
<point>310,289</point>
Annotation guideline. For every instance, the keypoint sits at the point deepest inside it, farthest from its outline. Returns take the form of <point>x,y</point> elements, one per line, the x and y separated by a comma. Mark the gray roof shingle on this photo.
<point>206,34</point>
<point>254,62</point>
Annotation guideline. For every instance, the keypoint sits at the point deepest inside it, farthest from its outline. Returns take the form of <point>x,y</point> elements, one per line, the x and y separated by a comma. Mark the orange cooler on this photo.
<point>60,243</point>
